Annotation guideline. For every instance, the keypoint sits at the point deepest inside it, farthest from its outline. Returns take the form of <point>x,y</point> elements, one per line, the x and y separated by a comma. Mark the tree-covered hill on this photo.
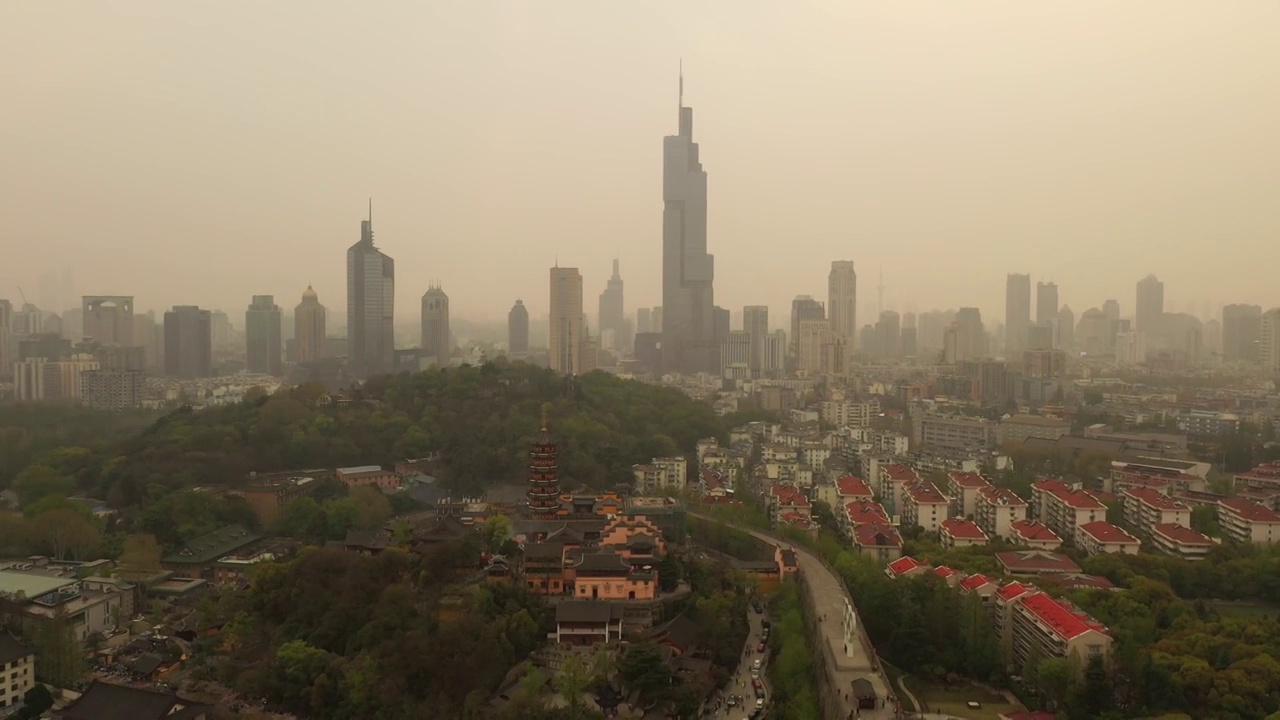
<point>479,419</point>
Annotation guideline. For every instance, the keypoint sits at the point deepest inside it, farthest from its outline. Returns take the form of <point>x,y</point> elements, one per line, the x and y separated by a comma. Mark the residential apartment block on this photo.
<point>963,489</point>
<point>955,532</point>
<point>660,474</point>
<point>1020,427</point>
<point>17,670</point>
<point>1033,534</point>
<point>1100,536</point>
<point>1043,627</point>
<point>1181,541</point>
<point>1064,508</point>
<point>1145,508</point>
<point>893,480</point>
<point>924,505</point>
<point>1248,522</point>
<point>933,431</point>
<point>996,509</point>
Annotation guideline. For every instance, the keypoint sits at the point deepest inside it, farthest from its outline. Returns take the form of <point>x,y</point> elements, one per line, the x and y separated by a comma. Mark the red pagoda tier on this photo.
<point>544,476</point>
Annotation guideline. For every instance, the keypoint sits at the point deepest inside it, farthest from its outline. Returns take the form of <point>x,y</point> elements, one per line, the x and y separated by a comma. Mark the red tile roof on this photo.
<point>1079,499</point>
<point>852,486</point>
<point>963,529</point>
<point>1265,471</point>
<point>1030,530</point>
<point>877,534</point>
<point>904,564</point>
<point>1249,510</point>
<point>943,571</point>
<point>1155,499</point>
<point>1014,590</point>
<point>1001,496</point>
<point>861,511</point>
<point>1080,580</point>
<point>795,518</point>
<point>973,582</point>
<point>1060,618</point>
<point>968,479</point>
<point>1181,534</point>
<point>789,495</point>
<point>1036,561</point>
<point>1105,532</point>
<point>926,493</point>
<point>898,472</point>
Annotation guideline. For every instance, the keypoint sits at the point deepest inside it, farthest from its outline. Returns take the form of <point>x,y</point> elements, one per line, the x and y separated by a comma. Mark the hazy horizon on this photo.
<point>188,157</point>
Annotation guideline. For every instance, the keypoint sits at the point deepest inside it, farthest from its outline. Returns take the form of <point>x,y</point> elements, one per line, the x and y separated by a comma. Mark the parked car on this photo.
<point>760,648</point>
<point>759,703</point>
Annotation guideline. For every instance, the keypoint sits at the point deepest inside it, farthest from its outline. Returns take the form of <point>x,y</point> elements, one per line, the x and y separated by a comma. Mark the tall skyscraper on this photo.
<point>309,327</point>
<point>1066,327</point>
<point>688,323</point>
<point>262,336</point>
<point>755,323</point>
<point>1046,303</point>
<point>612,314</point>
<point>842,301</point>
<point>1150,306</point>
<point>108,319</point>
<point>888,335</point>
<point>518,330</point>
<point>6,339</point>
<point>812,338</point>
<point>435,326</point>
<point>804,308</point>
<point>644,321</point>
<point>966,338</point>
<point>1017,313</point>
<point>1269,341</point>
<point>188,342</point>
<point>564,342</point>
<point>371,292</point>
<point>1241,329</point>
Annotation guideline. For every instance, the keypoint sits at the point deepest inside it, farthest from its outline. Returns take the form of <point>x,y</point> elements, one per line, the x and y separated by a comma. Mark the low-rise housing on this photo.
<point>1018,428</point>
<point>1033,534</point>
<point>924,505</point>
<point>878,541</point>
<point>1181,541</point>
<point>1035,562</point>
<point>905,566</point>
<point>979,584</point>
<point>894,478</point>
<point>957,532</point>
<point>1101,536</point>
<point>1044,627</point>
<point>1064,508</point>
<point>1145,508</point>
<point>996,509</point>
<point>963,489</point>
<point>659,475</point>
<point>850,488</point>
<point>1248,522</point>
<point>18,665</point>
<point>363,475</point>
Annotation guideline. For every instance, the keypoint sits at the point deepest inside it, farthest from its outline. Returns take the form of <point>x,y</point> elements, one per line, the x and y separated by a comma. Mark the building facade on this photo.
<point>613,317</point>
<point>842,301</point>
<point>436,345</point>
<point>566,333</point>
<point>309,328</point>
<point>188,342</point>
<point>371,293</point>
<point>518,330</point>
<point>262,334</point>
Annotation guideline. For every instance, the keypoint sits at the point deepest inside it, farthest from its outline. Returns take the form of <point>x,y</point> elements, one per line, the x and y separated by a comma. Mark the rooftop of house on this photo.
<point>1015,561</point>
<point>1078,499</point>
<point>1080,581</point>
<point>359,469</point>
<point>587,611</point>
<point>106,701</point>
<point>1265,471</point>
<point>905,564</point>
<point>864,511</point>
<point>208,548</point>
<point>1014,590</point>
<point>789,495</point>
<point>962,529</point>
<point>1031,530</point>
<point>12,649</point>
<point>1039,420</point>
<point>968,480</point>
<point>1001,496</point>
<point>898,472</point>
<point>975,581</point>
<point>926,493</point>
<point>1064,620</point>
<point>943,572</point>
<point>1155,499</point>
<point>1249,510</point>
<point>878,535</point>
<point>1181,534</point>
<point>852,486</point>
<point>1105,532</point>
<point>31,585</point>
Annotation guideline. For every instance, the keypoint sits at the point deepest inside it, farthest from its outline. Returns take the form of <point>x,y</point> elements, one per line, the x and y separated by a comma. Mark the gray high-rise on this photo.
<point>688,322</point>
<point>1017,313</point>
<point>755,322</point>
<point>842,301</point>
<point>1241,330</point>
<point>262,323</point>
<point>371,292</point>
<point>435,326</point>
<point>612,315</point>
<point>1150,306</point>
<point>188,342</point>
<point>518,330</point>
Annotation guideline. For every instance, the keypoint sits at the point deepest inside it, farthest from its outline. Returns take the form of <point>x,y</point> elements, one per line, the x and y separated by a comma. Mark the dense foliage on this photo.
<point>791,671</point>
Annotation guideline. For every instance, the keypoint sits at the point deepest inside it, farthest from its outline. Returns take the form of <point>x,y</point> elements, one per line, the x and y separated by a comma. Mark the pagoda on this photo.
<point>544,475</point>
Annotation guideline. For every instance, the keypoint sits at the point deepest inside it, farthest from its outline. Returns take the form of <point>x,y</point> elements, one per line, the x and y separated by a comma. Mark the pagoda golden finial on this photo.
<point>546,409</point>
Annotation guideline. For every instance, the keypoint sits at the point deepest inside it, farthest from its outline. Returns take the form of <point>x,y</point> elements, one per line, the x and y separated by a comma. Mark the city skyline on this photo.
<point>1092,219</point>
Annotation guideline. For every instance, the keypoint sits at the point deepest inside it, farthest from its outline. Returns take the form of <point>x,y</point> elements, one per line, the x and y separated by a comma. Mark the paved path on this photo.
<point>740,683</point>
<point>829,597</point>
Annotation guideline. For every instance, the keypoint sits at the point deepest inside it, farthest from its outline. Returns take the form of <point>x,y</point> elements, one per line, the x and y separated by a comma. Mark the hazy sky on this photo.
<point>190,152</point>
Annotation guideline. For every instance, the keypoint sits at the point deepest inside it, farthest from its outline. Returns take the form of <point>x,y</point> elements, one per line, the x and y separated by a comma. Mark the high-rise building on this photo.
<point>888,335</point>
<point>966,338</point>
<point>188,342</point>
<point>813,337</point>
<point>755,323</point>
<point>564,342</point>
<point>50,346</point>
<point>803,308</point>
<point>735,355</point>
<point>1241,329</point>
<point>309,327</point>
<point>1046,303</point>
<point>1017,312</point>
<point>1094,332</point>
<point>518,330</point>
<point>108,319</point>
<point>222,332</point>
<point>1130,348</point>
<point>27,321</point>
<point>149,335</point>
<point>688,271</point>
<point>1111,309</point>
<point>1150,306</point>
<point>842,301</point>
<point>436,345</point>
<point>263,342</point>
<point>655,321</point>
<point>371,292</point>
<point>644,321</point>
<point>6,339</point>
<point>775,354</point>
<point>111,389</point>
<point>612,314</point>
<point>1269,341</point>
<point>1066,327</point>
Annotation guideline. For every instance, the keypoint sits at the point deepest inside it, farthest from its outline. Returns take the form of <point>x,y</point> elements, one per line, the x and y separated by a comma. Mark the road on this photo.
<point>829,598</point>
<point>740,682</point>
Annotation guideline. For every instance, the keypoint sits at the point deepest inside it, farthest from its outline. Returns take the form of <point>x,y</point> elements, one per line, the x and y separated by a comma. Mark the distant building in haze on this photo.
<point>688,323</point>
<point>564,341</point>
<point>1017,313</point>
<point>518,330</point>
<point>188,342</point>
<point>435,326</point>
<point>755,323</point>
<point>966,338</point>
<point>1150,306</point>
<point>804,307</point>
<point>613,319</point>
<point>108,319</point>
<point>1269,341</point>
<point>1241,329</point>
<point>842,301</point>
<point>263,343</point>
<point>309,327</point>
<point>371,292</point>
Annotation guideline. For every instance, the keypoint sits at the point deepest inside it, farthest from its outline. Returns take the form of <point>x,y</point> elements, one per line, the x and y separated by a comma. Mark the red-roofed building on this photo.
<point>1181,541</point>
<point>1265,476</point>
<point>1033,534</point>
<point>1247,521</point>
<point>1064,508</point>
<point>905,566</point>
<point>714,482</point>
<point>878,541</point>
<point>955,532</point>
<point>788,498</point>
<point>924,505</point>
<point>894,479</point>
<point>1044,627</point>
<point>850,488</point>
<point>1102,537</point>
<point>862,512</point>
<point>997,508</point>
<point>1035,562</point>
<point>1145,508</point>
<point>949,576</point>
<point>980,584</point>
<point>1001,609</point>
<point>1080,581</point>
<point>963,489</point>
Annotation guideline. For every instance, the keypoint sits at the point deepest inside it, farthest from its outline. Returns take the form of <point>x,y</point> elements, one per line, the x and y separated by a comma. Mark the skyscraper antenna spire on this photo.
<point>681,101</point>
<point>370,211</point>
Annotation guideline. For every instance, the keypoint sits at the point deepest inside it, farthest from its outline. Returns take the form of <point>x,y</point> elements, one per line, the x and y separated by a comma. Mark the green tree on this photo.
<point>59,660</point>
<point>39,481</point>
<point>141,554</point>
<point>1056,679</point>
<point>572,680</point>
<point>495,531</point>
<point>65,533</point>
